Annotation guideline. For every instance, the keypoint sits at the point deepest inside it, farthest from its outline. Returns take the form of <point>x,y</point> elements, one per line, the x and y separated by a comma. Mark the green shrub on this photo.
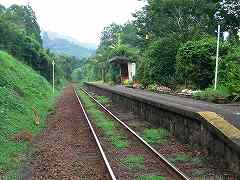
<point>195,61</point>
<point>158,64</point>
<point>210,94</point>
<point>232,71</point>
<point>152,87</point>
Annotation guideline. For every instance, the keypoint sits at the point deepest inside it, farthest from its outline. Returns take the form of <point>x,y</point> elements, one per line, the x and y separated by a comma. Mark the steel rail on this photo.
<point>96,139</point>
<point>175,169</point>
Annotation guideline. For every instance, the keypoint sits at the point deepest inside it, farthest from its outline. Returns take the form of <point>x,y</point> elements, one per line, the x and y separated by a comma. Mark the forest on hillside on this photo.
<point>21,37</point>
<point>174,44</point>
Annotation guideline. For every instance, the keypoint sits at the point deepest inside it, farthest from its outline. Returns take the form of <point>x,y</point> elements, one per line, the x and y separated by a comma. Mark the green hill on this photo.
<point>64,46</point>
<point>21,90</point>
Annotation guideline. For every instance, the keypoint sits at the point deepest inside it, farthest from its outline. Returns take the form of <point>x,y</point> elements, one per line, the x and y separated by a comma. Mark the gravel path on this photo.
<point>66,149</point>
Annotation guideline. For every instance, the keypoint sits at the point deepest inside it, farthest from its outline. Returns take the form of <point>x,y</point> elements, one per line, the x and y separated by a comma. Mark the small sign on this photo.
<point>238,34</point>
<point>226,35</point>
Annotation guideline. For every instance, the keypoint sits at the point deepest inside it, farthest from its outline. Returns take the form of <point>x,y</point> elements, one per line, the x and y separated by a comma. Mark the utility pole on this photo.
<point>53,80</point>
<point>217,57</point>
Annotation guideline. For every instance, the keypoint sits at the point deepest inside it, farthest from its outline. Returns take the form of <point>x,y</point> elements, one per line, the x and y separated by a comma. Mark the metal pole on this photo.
<point>217,57</point>
<point>53,80</point>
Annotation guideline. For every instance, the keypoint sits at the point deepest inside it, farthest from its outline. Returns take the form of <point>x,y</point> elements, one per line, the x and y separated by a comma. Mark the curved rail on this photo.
<point>96,139</point>
<point>162,158</point>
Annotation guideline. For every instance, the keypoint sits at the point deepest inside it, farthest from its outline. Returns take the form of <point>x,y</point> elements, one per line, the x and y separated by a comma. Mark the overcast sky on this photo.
<point>81,19</point>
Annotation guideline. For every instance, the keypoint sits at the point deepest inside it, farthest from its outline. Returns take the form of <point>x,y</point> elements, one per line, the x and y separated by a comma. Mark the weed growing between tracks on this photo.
<point>156,136</point>
<point>184,158</point>
<point>133,162</point>
<point>129,157</point>
<point>180,158</point>
<point>150,178</point>
<point>118,140</point>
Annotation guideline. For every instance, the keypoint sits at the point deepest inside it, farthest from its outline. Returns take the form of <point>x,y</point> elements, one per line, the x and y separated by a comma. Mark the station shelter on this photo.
<point>127,67</point>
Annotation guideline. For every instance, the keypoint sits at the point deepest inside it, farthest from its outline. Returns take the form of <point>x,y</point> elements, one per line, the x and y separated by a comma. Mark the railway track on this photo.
<point>110,171</point>
<point>165,167</point>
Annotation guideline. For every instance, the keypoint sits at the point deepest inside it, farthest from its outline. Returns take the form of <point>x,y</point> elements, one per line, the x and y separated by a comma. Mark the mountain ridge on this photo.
<point>62,44</point>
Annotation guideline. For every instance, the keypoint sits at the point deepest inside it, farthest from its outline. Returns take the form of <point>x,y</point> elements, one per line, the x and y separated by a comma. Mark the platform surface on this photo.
<point>230,112</point>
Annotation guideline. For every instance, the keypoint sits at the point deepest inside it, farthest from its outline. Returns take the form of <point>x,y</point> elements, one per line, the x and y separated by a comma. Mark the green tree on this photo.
<point>129,35</point>
<point>24,18</point>
<point>232,70</point>
<point>159,62</point>
<point>110,35</point>
<point>179,18</point>
<point>228,14</point>
<point>195,62</point>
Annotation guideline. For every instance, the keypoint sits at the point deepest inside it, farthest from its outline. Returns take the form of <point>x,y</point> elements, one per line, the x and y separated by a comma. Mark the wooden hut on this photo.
<point>127,67</point>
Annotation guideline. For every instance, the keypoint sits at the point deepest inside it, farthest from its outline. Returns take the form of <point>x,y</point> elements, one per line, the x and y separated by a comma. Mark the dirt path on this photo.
<point>66,149</point>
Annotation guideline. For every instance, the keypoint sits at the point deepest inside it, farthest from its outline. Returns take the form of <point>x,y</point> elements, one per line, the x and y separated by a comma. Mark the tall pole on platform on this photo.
<point>53,80</point>
<point>217,59</point>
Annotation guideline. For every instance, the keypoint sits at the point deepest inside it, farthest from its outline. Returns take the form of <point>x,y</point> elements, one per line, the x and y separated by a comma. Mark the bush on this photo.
<point>113,74</point>
<point>232,71</point>
<point>152,87</point>
<point>159,62</point>
<point>195,61</point>
<point>210,94</point>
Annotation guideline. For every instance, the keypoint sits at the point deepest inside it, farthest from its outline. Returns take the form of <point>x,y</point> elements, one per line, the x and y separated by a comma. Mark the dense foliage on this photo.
<point>195,61</point>
<point>232,71</point>
<point>174,44</point>
<point>116,40</point>
<point>159,64</point>
<point>21,37</point>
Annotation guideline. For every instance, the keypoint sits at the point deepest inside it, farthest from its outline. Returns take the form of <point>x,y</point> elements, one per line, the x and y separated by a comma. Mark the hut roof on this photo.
<point>119,60</point>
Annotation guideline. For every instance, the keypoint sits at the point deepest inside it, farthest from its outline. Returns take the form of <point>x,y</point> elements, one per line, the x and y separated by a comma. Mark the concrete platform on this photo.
<point>230,112</point>
<point>214,127</point>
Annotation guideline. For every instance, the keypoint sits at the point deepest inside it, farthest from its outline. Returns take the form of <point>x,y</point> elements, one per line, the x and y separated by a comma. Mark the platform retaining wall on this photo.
<point>199,129</point>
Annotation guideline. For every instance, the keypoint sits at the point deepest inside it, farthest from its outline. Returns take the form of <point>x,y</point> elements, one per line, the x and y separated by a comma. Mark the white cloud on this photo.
<point>81,19</point>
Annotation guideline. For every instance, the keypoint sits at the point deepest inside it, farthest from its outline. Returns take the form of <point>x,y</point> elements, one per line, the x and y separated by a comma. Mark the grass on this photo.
<point>109,127</point>
<point>198,173</point>
<point>133,162</point>
<point>21,89</point>
<point>147,177</point>
<point>180,158</point>
<point>210,94</point>
<point>119,141</point>
<point>156,136</point>
<point>103,99</point>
